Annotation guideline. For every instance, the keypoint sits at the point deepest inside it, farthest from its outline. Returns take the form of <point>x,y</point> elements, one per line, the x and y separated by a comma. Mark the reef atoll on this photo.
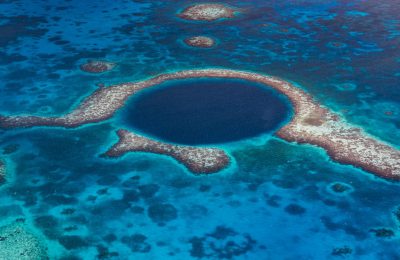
<point>311,123</point>
<point>196,159</point>
<point>200,41</point>
<point>97,66</point>
<point>17,243</point>
<point>207,12</point>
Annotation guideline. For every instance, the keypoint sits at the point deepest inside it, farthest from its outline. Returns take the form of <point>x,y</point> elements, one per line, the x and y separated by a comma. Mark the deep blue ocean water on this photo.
<point>207,111</point>
<point>274,202</point>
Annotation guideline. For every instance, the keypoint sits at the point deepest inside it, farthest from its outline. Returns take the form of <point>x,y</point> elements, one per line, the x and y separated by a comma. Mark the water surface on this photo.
<point>207,111</point>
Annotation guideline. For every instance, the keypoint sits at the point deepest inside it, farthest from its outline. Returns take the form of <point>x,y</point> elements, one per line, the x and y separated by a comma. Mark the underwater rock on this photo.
<point>137,210</point>
<point>340,188</point>
<point>180,183</point>
<point>382,232</point>
<point>104,253</point>
<point>131,195</point>
<point>194,211</point>
<point>207,12</point>
<point>131,182</point>
<point>222,243</point>
<point>102,191</point>
<point>204,188</point>
<point>97,66</point>
<point>346,86</point>
<point>162,212</point>
<point>107,180</point>
<point>48,225</point>
<point>70,257</point>
<point>337,45</point>
<point>71,228</point>
<point>11,148</point>
<point>11,210</point>
<point>272,200</point>
<point>347,227</point>
<point>200,41</point>
<point>396,213</point>
<point>18,243</point>
<point>286,183</point>
<point>2,172</point>
<point>342,251</point>
<point>73,242</point>
<point>294,209</point>
<point>58,199</point>
<point>67,211</point>
<point>148,190</point>
<point>110,238</point>
<point>137,243</point>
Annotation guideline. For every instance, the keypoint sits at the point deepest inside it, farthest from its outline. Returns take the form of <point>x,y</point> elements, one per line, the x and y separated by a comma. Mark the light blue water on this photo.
<point>275,203</point>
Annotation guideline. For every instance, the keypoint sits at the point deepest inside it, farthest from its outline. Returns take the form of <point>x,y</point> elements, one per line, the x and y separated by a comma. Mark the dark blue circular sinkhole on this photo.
<point>206,111</point>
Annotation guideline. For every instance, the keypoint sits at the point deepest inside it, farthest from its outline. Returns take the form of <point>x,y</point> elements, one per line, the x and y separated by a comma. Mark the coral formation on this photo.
<point>162,212</point>
<point>341,188</point>
<point>17,243</point>
<point>222,243</point>
<point>11,148</point>
<point>97,66</point>
<point>196,159</point>
<point>200,41</point>
<point>207,12</point>
<point>382,232</point>
<point>137,243</point>
<point>311,123</point>
<point>2,172</point>
<point>342,251</point>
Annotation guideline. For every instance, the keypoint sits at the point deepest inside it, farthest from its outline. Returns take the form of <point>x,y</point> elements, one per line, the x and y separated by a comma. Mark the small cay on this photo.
<point>207,12</point>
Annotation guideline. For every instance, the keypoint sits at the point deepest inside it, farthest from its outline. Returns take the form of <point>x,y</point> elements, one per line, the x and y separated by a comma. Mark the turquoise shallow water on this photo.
<point>274,202</point>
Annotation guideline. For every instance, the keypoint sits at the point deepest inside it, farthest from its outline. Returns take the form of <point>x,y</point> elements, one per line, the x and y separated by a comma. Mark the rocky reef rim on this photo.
<point>311,123</point>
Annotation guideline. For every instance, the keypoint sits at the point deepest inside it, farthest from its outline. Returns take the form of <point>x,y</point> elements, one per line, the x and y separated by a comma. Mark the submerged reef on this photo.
<point>207,12</point>
<point>222,243</point>
<point>340,188</point>
<point>97,66</point>
<point>382,232</point>
<point>2,172</point>
<point>196,159</point>
<point>310,124</point>
<point>341,251</point>
<point>396,214</point>
<point>11,148</point>
<point>200,41</point>
<point>17,243</point>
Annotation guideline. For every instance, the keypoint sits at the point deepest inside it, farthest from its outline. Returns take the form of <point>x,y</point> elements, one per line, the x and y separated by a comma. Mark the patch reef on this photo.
<point>207,12</point>
<point>3,172</point>
<point>97,66</point>
<point>200,42</point>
